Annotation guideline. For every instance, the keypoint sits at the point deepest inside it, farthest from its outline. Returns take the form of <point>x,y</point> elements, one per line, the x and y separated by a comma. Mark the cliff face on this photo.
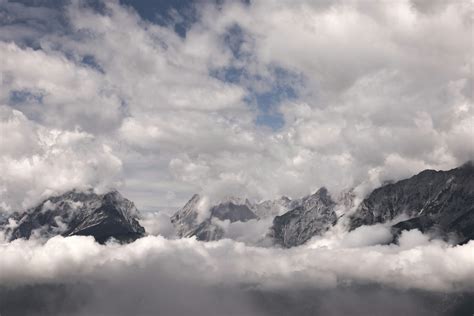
<point>185,219</point>
<point>313,216</point>
<point>441,202</point>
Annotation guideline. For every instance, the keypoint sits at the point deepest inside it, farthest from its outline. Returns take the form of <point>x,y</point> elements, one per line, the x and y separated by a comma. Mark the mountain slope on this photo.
<point>80,213</point>
<point>185,219</point>
<point>313,216</point>
<point>187,224</point>
<point>440,202</point>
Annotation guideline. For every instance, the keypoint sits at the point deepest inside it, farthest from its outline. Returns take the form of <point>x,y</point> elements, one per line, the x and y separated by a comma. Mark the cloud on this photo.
<point>369,109</point>
<point>377,88</point>
<point>157,223</point>
<point>159,273</point>
<point>64,94</point>
<point>252,232</point>
<point>230,262</point>
<point>37,162</point>
<point>367,92</point>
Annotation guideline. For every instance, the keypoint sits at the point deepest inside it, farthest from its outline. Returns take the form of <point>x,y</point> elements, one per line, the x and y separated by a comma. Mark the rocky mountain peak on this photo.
<point>313,216</point>
<point>438,202</point>
<point>321,196</point>
<point>80,212</point>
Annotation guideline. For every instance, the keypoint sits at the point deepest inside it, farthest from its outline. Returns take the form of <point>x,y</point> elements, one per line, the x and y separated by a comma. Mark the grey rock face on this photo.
<point>441,202</point>
<point>80,213</point>
<point>206,231</point>
<point>313,216</point>
<point>186,219</point>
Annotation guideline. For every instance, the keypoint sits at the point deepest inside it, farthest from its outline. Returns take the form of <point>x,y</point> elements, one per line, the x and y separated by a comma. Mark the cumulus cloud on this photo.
<point>367,92</point>
<point>225,262</point>
<point>380,98</point>
<point>37,162</point>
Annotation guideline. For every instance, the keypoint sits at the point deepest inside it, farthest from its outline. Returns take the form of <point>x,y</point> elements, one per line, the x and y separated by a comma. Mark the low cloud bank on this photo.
<point>424,265</point>
<point>75,275</point>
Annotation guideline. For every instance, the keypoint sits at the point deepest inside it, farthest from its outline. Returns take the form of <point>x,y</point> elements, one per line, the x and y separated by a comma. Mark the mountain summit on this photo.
<point>186,220</point>
<point>102,216</point>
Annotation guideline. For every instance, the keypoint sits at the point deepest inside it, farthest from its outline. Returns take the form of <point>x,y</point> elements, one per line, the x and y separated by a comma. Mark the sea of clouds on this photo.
<point>336,274</point>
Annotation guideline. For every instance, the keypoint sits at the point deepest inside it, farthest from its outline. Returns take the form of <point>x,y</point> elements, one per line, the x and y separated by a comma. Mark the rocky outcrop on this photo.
<point>313,216</point>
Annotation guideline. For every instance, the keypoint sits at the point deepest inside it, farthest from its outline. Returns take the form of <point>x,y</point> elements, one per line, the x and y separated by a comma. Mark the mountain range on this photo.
<point>438,203</point>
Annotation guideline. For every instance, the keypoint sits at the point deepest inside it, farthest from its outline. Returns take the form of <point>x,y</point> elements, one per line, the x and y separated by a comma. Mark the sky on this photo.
<point>164,99</point>
<point>258,99</point>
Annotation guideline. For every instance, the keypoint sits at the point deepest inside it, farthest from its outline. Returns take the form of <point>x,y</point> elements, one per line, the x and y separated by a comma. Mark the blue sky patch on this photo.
<point>25,96</point>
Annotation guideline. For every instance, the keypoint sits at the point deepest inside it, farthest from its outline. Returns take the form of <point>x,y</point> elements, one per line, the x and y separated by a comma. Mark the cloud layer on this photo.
<point>176,276</point>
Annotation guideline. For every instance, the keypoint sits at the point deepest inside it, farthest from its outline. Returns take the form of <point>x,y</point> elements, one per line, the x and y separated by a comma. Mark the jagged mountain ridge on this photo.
<point>79,213</point>
<point>440,202</point>
<point>437,202</point>
<point>303,217</point>
<point>187,224</point>
<point>313,216</point>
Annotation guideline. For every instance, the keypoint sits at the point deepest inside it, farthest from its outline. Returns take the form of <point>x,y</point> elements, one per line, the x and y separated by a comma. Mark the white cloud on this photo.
<point>157,223</point>
<point>415,264</point>
<point>178,277</point>
<point>40,162</point>
<point>383,90</point>
<point>68,95</point>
